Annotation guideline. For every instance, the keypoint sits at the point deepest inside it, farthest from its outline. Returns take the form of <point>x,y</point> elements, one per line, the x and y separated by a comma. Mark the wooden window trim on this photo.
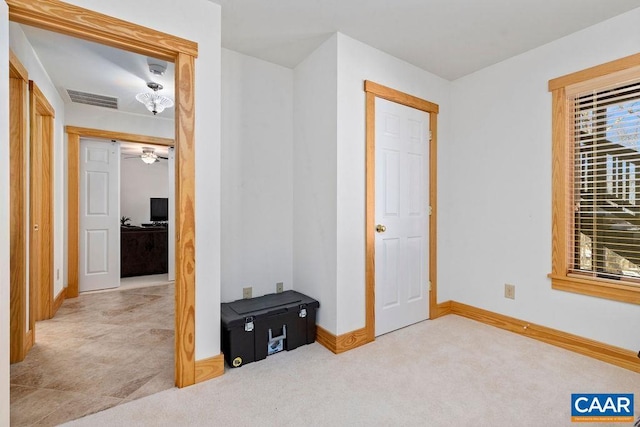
<point>562,88</point>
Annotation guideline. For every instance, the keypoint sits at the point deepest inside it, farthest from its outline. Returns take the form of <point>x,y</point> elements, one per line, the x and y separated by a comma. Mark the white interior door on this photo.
<point>402,216</point>
<point>99,215</point>
<point>171,230</point>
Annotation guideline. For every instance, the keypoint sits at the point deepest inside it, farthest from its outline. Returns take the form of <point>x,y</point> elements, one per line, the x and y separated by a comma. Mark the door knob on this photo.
<point>36,227</point>
<point>381,228</point>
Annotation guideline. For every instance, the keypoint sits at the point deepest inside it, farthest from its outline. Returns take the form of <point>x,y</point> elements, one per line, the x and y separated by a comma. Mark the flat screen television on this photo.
<point>159,209</point>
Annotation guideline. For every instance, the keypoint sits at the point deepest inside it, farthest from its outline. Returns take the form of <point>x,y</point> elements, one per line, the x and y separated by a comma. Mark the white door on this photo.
<point>402,216</point>
<point>172,216</point>
<point>99,215</point>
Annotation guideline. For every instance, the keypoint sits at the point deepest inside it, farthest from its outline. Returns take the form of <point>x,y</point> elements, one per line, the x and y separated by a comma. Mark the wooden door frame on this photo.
<point>21,338</point>
<point>74,134</point>
<point>41,119</point>
<point>374,90</point>
<point>56,16</point>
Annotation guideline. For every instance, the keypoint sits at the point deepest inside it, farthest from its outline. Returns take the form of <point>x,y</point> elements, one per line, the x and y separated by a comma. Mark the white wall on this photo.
<point>314,180</point>
<point>257,169</point>
<point>4,217</point>
<point>496,188</point>
<point>139,182</point>
<point>199,22</point>
<point>27,56</point>
<point>329,169</point>
<point>358,62</point>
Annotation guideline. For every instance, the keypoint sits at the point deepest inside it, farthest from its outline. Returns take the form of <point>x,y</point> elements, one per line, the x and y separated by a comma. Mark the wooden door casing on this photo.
<point>41,203</point>
<point>22,322</point>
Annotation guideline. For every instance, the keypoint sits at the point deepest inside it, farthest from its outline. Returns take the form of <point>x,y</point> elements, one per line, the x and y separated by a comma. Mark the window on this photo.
<point>596,165</point>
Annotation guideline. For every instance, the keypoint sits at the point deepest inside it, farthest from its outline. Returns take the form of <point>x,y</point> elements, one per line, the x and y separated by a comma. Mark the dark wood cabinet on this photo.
<point>143,251</point>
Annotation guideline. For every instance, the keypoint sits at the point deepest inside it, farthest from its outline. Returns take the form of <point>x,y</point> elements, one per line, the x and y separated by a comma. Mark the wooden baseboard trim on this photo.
<point>58,301</point>
<point>326,338</point>
<point>607,353</point>
<point>28,341</point>
<point>341,343</point>
<point>209,368</point>
<point>440,310</point>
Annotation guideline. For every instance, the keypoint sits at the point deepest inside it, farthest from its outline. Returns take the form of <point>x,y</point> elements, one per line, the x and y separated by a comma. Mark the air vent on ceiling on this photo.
<point>93,99</point>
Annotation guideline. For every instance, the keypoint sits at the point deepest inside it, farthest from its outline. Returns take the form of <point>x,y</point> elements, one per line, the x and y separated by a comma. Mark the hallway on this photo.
<point>100,350</point>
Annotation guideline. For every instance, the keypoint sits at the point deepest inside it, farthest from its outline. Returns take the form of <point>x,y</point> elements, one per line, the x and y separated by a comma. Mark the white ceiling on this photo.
<point>102,70</point>
<point>450,38</point>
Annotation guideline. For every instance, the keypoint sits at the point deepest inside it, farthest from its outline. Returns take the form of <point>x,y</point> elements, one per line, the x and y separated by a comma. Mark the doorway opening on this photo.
<point>92,26</point>
<point>74,137</point>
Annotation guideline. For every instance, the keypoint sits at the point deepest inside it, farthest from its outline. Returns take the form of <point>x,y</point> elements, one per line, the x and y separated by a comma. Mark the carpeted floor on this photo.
<point>100,350</point>
<point>445,372</point>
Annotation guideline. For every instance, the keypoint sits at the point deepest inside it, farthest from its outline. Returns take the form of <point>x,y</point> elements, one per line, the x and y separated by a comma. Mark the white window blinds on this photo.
<point>605,237</point>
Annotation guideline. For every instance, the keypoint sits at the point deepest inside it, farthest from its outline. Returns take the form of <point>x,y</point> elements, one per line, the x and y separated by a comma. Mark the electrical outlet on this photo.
<point>509,291</point>
<point>279,287</point>
<point>246,292</point>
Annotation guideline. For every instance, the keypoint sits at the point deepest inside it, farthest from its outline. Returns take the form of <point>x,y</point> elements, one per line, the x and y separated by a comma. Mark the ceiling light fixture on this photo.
<point>148,156</point>
<point>154,102</point>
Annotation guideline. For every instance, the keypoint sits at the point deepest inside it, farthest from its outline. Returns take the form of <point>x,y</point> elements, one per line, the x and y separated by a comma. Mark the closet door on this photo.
<point>99,215</point>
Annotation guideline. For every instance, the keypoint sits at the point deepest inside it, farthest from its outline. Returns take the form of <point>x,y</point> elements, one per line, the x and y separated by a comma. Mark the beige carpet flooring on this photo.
<point>446,372</point>
<point>100,350</point>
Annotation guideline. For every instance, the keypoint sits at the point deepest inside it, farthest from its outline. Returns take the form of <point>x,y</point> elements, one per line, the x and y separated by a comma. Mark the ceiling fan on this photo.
<point>148,156</point>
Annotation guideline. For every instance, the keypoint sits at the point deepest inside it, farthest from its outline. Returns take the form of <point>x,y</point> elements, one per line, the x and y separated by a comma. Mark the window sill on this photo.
<point>601,288</point>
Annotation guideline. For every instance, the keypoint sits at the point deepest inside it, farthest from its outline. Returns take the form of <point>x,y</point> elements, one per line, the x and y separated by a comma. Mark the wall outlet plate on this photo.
<point>509,291</point>
<point>246,292</point>
<point>279,287</point>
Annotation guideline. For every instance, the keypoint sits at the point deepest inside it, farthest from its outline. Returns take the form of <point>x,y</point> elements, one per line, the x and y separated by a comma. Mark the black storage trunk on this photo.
<point>254,328</point>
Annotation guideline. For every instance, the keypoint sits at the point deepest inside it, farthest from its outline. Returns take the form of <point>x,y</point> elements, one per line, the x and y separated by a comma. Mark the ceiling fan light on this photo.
<point>149,157</point>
